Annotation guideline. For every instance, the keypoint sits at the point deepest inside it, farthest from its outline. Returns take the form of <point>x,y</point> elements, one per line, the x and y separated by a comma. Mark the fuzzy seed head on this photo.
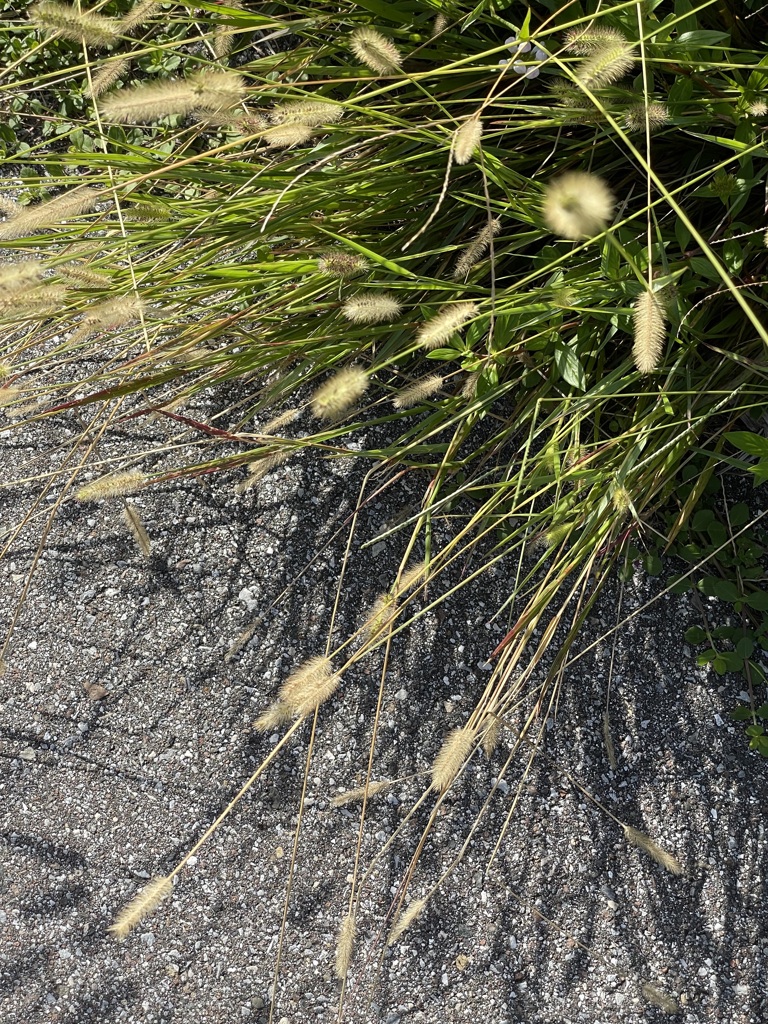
<point>310,686</point>
<point>607,64</point>
<point>442,327</point>
<point>308,112</point>
<point>106,76</point>
<point>589,40</point>
<point>278,422</point>
<point>79,276</point>
<point>285,136</point>
<point>39,216</point>
<point>9,207</point>
<point>405,920</point>
<point>759,108</point>
<point>451,757</point>
<point>466,139</point>
<point>555,535</point>
<point>79,26</point>
<point>353,795</point>
<point>412,575</point>
<point>621,499</point>
<point>439,25</point>
<point>372,308</point>
<point>138,16</point>
<point>658,997</point>
<point>9,395</point>
<point>647,845</point>
<point>419,392</point>
<point>33,302</point>
<point>136,526</point>
<point>113,486</point>
<point>577,205</point>
<point>18,277</point>
<point>491,736</point>
<point>260,468</point>
<point>657,113</point>
<point>275,717</point>
<point>142,104</point>
<point>216,91</point>
<point>337,263</point>
<point>337,395</point>
<point>648,318</point>
<point>374,50</point>
<point>476,249</point>
<point>144,903</point>
<point>116,312</point>
<point>382,616</point>
<point>345,946</point>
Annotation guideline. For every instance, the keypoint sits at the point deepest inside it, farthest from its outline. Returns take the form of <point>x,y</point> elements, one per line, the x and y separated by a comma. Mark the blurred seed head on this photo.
<point>577,205</point>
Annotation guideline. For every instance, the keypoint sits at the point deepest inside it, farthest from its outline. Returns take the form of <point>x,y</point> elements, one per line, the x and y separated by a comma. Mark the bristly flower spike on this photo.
<point>372,308</point>
<point>80,26</point>
<point>144,903</point>
<point>442,327</point>
<point>466,139</point>
<point>648,318</point>
<point>337,395</point>
<point>376,51</point>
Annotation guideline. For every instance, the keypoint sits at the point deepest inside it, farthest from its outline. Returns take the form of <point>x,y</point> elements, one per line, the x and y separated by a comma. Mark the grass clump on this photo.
<point>580,253</point>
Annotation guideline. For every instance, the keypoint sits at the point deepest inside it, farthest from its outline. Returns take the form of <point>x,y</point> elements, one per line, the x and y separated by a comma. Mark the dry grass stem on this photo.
<point>345,945</point>
<point>451,757</point>
<point>405,920</point>
<point>608,740</point>
<point>649,323</point>
<point>647,845</point>
<point>337,395</point>
<point>144,903</point>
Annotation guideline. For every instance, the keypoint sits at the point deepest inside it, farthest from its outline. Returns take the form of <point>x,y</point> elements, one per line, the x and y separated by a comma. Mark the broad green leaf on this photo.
<point>746,441</point>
